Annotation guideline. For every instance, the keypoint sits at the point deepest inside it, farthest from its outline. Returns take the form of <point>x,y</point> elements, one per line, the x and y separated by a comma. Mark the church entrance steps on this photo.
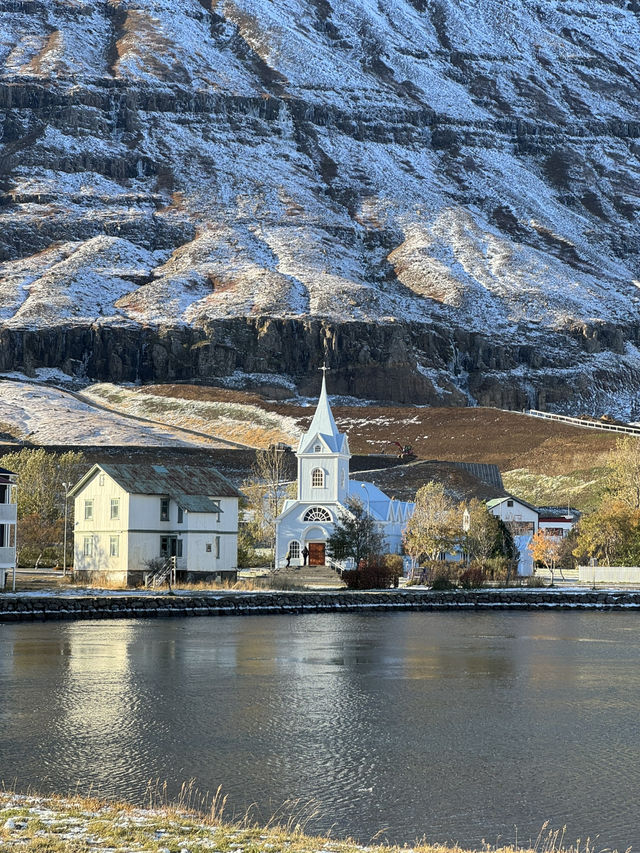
<point>309,576</point>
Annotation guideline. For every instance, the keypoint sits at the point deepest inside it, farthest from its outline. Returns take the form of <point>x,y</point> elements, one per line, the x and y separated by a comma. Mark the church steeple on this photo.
<point>323,456</point>
<point>323,423</point>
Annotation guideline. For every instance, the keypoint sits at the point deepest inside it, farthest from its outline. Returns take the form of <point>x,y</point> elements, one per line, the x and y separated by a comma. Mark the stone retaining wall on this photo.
<point>16,608</point>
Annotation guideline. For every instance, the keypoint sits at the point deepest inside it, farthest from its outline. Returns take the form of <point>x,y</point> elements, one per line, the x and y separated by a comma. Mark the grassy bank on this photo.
<point>86,825</point>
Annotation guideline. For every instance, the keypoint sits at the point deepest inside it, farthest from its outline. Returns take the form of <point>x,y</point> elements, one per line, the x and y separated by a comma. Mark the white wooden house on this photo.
<point>8,516</point>
<point>558,521</point>
<point>128,515</point>
<point>522,519</point>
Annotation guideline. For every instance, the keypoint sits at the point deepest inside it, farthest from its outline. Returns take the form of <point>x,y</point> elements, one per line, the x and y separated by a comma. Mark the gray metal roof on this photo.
<point>197,503</point>
<point>166,479</point>
<point>559,512</point>
<point>489,474</point>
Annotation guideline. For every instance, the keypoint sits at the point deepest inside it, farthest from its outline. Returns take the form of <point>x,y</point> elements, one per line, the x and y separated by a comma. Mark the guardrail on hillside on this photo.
<point>585,424</point>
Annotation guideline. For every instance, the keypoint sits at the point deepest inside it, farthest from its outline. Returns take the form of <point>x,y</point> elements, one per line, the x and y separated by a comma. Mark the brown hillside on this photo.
<point>507,439</point>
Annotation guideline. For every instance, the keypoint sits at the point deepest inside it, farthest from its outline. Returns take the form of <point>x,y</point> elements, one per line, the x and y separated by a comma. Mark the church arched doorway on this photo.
<point>315,540</point>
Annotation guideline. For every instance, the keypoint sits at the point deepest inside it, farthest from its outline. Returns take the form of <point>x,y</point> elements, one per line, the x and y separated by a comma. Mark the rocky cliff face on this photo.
<point>439,196</point>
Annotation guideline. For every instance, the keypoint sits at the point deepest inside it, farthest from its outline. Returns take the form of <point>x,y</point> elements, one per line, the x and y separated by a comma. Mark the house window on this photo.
<point>179,548</point>
<point>342,480</point>
<point>101,480</point>
<point>164,546</point>
<point>217,510</point>
<point>294,549</point>
<point>114,546</point>
<point>317,478</point>
<point>180,515</point>
<point>317,448</point>
<point>115,507</point>
<point>509,503</point>
<point>164,509</point>
<point>88,510</point>
<point>317,513</point>
<point>207,547</point>
<point>217,547</point>
<point>87,546</point>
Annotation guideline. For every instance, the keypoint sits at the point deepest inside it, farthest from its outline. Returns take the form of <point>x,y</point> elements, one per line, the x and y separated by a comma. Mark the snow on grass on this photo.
<point>239,422</point>
<point>195,824</point>
<point>49,416</point>
<point>77,281</point>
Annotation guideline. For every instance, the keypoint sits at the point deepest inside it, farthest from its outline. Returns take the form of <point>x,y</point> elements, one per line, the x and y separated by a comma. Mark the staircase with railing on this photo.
<point>164,573</point>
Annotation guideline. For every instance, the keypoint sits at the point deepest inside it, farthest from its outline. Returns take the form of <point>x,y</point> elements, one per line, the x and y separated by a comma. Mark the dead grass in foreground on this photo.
<point>196,824</point>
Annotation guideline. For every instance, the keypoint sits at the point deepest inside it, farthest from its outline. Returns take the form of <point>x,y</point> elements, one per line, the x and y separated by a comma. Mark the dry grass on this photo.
<point>508,439</point>
<point>196,822</point>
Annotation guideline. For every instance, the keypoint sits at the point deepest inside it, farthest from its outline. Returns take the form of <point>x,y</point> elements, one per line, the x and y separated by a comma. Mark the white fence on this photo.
<point>585,424</point>
<point>609,574</point>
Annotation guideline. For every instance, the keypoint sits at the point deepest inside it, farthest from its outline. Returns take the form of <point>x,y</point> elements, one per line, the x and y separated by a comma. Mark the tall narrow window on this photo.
<point>87,546</point>
<point>317,478</point>
<point>217,548</point>
<point>164,509</point>
<point>294,549</point>
<point>88,510</point>
<point>180,515</point>
<point>115,507</point>
<point>114,546</point>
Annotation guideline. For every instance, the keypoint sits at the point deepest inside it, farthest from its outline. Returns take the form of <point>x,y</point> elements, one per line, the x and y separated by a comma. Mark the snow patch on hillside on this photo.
<point>49,416</point>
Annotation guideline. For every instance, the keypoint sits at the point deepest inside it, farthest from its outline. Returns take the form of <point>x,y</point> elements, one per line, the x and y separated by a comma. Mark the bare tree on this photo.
<point>266,492</point>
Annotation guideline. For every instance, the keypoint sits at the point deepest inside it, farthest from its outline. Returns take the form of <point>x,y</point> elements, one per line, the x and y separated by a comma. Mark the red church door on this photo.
<point>316,553</point>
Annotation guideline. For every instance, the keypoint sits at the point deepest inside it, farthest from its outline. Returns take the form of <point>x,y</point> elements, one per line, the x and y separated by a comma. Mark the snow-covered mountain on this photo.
<point>441,196</point>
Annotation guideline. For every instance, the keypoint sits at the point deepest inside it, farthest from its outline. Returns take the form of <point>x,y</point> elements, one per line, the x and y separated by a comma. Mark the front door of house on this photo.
<point>316,553</point>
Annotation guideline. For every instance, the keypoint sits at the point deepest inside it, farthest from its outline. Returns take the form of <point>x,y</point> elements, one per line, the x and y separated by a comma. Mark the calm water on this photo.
<point>454,726</point>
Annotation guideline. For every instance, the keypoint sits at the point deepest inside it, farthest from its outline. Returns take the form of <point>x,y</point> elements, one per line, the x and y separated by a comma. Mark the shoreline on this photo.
<point>74,824</point>
<point>20,607</point>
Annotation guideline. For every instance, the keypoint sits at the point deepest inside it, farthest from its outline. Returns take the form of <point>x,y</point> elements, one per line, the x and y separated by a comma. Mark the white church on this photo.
<point>324,488</point>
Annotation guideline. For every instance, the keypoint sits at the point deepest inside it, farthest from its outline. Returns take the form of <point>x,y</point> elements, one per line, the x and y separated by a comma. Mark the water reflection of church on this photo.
<point>323,490</point>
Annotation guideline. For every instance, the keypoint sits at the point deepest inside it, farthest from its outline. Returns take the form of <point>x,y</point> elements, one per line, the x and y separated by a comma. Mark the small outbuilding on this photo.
<point>128,516</point>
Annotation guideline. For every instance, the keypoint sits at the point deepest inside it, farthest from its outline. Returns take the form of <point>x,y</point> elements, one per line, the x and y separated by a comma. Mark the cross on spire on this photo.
<point>324,369</point>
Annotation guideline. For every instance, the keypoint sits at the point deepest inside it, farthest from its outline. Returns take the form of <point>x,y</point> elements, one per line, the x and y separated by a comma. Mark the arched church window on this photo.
<point>317,513</point>
<point>317,478</point>
<point>294,549</point>
<point>342,480</point>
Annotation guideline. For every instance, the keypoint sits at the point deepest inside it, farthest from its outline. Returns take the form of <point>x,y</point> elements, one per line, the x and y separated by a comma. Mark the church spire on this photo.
<point>323,423</point>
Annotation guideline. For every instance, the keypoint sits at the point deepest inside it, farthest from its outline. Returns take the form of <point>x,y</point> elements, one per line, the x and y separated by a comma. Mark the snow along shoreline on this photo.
<point>92,825</point>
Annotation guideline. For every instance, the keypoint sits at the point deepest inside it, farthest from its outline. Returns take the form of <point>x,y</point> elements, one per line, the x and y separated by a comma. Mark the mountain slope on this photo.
<point>441,196</point>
